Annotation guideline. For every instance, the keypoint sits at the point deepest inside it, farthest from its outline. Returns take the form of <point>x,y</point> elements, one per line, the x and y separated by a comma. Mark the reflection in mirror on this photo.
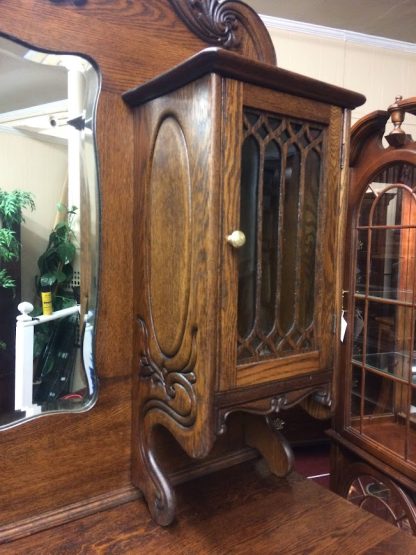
<point>48,232</point>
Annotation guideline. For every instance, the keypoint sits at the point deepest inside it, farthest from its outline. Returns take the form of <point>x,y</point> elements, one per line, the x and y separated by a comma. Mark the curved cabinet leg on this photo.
<point>149,478</point>
<point>164,394</point>
<point>263,434</point>
<point>318,405</point>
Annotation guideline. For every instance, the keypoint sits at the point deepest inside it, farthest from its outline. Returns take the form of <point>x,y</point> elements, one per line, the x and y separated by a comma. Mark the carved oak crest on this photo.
<point>213,22</point>
<point>230,24</point>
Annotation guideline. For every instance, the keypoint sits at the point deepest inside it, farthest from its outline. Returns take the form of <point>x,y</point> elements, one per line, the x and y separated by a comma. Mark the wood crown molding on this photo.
<point>230,24</point>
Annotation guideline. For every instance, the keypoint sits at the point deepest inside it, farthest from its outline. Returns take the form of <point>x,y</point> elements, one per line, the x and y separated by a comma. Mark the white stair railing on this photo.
<point>23,399</point>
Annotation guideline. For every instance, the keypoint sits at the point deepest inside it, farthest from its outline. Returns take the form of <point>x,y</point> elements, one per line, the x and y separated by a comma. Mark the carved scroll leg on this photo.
<point>149,478</point>
<point>318,405</point>
<point>262,434</point>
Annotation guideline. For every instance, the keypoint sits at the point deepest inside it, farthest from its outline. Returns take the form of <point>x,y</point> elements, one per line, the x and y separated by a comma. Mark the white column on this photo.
<point>23,399</point>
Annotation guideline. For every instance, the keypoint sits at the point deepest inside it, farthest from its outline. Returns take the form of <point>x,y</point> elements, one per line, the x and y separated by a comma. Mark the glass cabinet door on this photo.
<point>383,361</point>
<point>281,175</point>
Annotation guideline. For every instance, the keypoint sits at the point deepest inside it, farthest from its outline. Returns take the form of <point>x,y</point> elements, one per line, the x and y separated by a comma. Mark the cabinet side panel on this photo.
<point>175,272</point>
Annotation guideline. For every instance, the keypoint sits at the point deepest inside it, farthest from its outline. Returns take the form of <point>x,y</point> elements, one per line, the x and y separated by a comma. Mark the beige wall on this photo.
<point>380,73</point>
<point>39,167</point>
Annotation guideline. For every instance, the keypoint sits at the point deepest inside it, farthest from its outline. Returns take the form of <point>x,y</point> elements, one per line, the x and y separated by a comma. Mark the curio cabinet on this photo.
<point>374,453</point>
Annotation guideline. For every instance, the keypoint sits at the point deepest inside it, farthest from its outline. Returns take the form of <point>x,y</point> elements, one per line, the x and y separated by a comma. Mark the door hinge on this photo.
<point>344,301</point>
<point>344,137</point>
<point>342,156</point>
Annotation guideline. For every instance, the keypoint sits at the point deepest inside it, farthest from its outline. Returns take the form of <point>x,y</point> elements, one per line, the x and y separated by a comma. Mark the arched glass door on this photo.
<point>383,358</point>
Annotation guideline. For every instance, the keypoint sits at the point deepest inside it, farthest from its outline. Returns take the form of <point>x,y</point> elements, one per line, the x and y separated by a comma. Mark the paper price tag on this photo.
<point>343,326</point>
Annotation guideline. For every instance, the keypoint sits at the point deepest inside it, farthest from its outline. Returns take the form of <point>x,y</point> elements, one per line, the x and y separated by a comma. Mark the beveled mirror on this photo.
<point>49,232</point>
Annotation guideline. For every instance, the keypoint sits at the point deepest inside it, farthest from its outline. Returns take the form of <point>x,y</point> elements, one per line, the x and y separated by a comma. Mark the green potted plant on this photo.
<point>54,351</point>
<point>12,204</point>
<point>56,263</point>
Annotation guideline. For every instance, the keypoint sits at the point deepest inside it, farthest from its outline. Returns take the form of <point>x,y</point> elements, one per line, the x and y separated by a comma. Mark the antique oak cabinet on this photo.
<point>238,196</point>
<point>374,456</point>
<point>197,323</point>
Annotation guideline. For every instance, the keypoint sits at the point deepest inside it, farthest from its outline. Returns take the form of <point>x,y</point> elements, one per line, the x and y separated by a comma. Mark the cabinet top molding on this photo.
<point>235,66</point>
<point>230,24</point>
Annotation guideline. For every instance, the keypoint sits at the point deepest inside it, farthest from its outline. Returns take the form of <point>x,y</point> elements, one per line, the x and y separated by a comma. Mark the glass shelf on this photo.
<point>390,363</point>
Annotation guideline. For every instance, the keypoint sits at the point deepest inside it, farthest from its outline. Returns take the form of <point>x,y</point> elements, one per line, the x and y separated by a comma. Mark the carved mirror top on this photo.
<point>231,24</point>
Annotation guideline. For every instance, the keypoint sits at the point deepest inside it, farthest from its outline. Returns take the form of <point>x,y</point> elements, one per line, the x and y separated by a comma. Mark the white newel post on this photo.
<point>23,399</point>
<point>25,325</point>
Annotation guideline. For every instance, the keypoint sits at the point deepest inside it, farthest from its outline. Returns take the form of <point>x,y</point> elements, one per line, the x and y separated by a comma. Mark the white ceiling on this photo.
<point>395,19</point>
<point>26,83</point>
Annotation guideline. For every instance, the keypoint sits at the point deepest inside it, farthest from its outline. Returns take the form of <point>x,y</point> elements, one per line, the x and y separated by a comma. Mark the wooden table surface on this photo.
<point>241,510</point>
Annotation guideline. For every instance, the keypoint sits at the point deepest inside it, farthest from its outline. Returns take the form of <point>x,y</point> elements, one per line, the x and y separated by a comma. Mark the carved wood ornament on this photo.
<point>166,380</point>
<point>230,24</point>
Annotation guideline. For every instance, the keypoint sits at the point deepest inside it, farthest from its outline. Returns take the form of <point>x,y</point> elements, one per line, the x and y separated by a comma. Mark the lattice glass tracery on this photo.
<point>280,190</point>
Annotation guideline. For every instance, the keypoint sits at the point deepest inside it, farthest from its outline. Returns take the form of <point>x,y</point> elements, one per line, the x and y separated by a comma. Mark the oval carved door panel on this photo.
<point>170,236</point>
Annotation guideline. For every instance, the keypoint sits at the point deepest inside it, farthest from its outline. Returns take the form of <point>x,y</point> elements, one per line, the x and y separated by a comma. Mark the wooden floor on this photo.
<point>241,510</point>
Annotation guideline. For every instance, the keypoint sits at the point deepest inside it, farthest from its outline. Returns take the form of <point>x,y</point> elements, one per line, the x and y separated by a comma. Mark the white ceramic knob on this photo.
<point>236,239</point>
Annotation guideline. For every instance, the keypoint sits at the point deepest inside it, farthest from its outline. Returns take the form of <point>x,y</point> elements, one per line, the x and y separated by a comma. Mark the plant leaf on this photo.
<point>66,252</point>
<point>60,276</point>
<point>5,280</point>
<point>47,280</point>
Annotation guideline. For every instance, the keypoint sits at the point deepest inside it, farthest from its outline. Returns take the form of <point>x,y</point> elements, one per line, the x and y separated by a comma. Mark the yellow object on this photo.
<point>47,308</point>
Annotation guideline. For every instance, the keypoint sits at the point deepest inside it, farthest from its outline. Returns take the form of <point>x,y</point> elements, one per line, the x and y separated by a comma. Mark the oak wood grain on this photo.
<point>270,443</point>
<point>278,369</point>
<point>287,104</point>
<point>176,308</point>
<point>217,515</point>
<point>231,141</point>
